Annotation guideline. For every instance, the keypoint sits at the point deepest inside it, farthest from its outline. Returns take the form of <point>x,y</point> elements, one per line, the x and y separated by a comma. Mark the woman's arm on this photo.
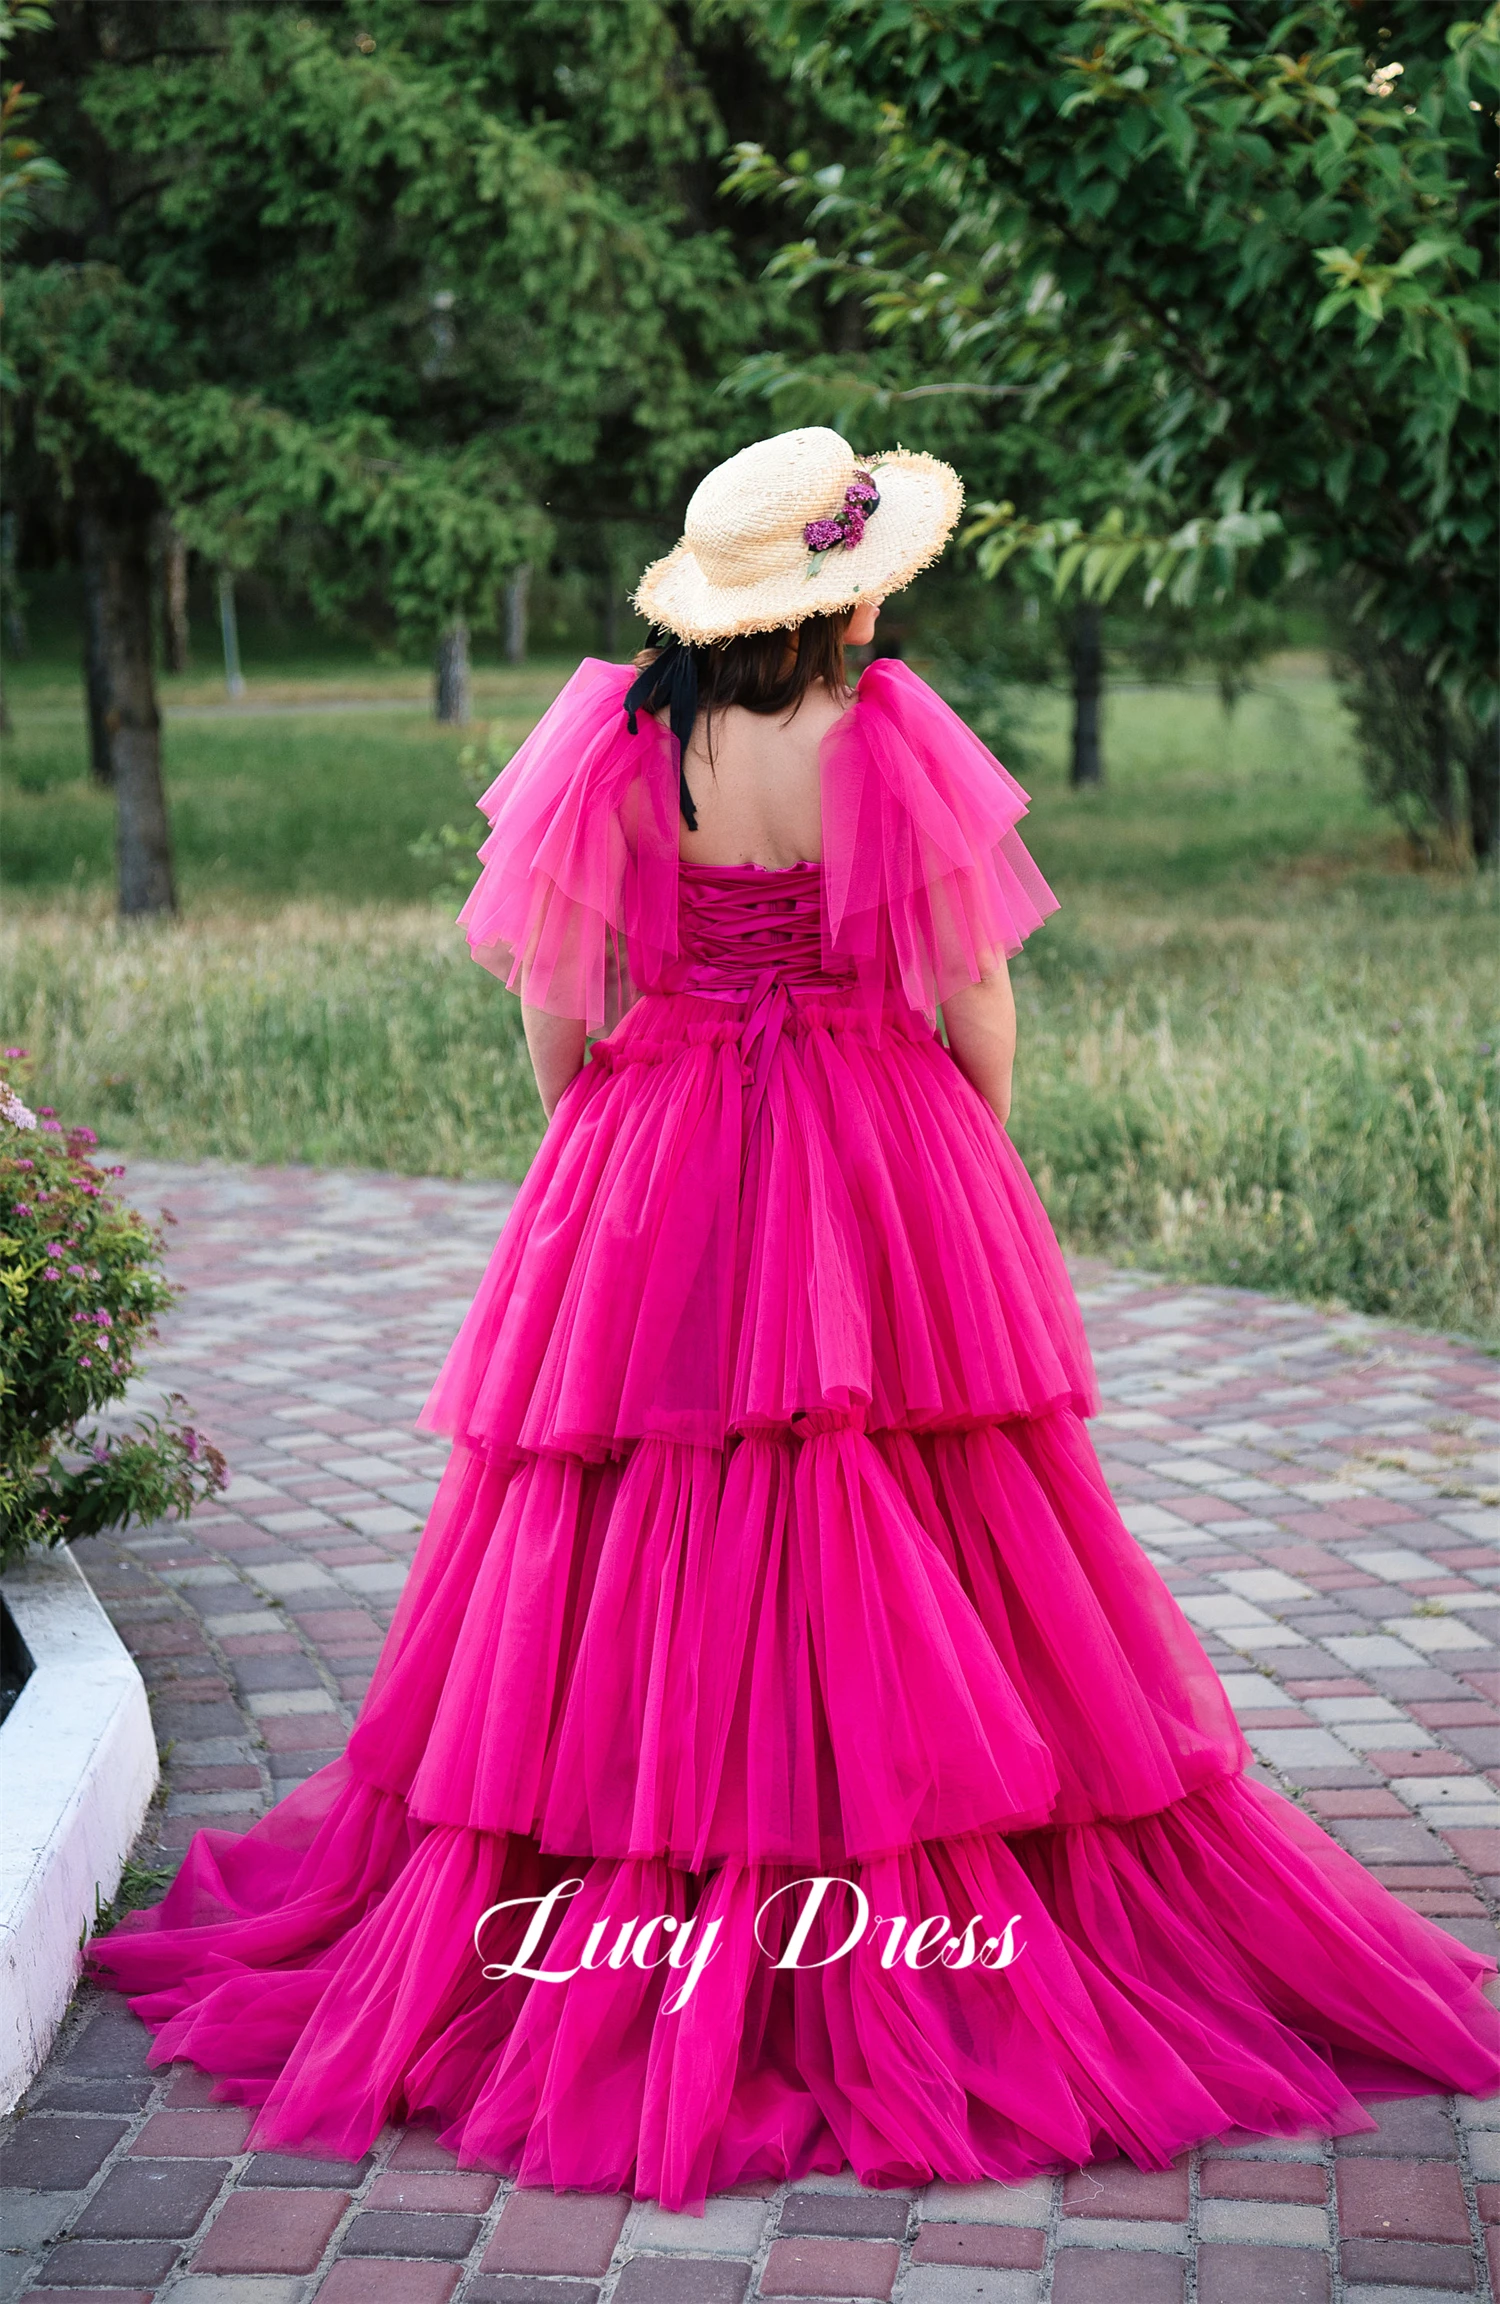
<point>556,1045</point>
<point>980,1020</point>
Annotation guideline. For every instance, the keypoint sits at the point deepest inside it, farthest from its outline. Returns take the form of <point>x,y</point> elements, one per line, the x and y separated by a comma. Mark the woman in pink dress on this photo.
<point>782,1755</point>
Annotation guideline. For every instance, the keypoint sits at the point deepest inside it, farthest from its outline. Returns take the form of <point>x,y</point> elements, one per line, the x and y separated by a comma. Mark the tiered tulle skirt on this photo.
<point>773,1547</point>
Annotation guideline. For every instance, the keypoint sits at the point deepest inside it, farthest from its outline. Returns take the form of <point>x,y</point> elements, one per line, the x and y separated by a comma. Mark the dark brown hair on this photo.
<point>764,671</point>
<point>771,671</point>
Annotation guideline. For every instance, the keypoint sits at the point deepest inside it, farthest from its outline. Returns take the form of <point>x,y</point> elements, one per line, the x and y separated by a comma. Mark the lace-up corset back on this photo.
<point>742,928</point>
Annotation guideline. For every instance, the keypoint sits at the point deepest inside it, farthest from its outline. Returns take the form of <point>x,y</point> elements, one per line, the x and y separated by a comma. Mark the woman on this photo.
<point>782,1754</point>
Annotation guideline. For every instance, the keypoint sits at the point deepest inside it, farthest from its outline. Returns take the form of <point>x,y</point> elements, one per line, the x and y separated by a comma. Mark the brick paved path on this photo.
<point>1313,1488</point>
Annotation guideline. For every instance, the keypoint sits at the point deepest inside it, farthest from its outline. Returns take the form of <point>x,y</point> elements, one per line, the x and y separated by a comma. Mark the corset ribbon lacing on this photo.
<point>752,937</point>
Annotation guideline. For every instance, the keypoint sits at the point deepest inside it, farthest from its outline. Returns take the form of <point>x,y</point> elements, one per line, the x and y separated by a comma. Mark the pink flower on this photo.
<point>847,526</point>
<point>76,1271</point>
<point>85,1362</point>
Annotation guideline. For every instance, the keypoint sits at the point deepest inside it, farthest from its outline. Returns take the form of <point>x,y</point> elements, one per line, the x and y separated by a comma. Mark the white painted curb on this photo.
<point>78,1766</point>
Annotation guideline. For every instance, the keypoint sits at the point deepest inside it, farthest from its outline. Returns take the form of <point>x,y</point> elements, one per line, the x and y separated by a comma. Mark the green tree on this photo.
<point>1263,242</point>
<point>25,171</point>
<point>1060,484</point>
<point>375,295</point>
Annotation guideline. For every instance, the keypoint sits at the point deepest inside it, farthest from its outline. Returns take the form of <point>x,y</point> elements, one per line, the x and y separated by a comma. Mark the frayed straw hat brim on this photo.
<point>921,499</point>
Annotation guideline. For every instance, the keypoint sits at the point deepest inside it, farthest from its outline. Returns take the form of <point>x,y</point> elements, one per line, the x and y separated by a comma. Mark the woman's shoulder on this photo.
<point>581,738</point>
<point>581,850</point>
<point>900,721</point>
<point>921,854</point>
<point>604,668</point>
<point>889,687</point>
<point>597,684</point>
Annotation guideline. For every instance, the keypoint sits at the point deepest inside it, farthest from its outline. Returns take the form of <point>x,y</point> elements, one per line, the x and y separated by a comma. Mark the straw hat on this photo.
<point>792,527</point>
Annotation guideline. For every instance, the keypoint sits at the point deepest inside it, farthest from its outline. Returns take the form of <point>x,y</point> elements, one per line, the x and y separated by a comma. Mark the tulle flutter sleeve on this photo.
<point>579,879</point>
<point>927,880</point>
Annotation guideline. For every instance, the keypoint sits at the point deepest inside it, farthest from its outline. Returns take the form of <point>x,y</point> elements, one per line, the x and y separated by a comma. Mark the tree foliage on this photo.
<point>25,169</point>
<point>372,289</point>
<point>375,295</point>
<point>1272,237</point>
<point>384,295</point>
<point>1247,253</point>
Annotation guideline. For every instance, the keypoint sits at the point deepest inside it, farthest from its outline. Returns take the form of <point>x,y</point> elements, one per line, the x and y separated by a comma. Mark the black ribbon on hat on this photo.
<point>671,678</point>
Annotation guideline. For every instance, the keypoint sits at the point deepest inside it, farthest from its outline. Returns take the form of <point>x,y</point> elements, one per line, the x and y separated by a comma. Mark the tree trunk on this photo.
<point>116,539</point>
<point>1440,750</point>
<point>450,695</point>
<point>1482,778</point>
<point>13,633</point>
<point>516,596</point>
<point>95,664</point>
<point>176,636</point>
<point>1086,658</point>
<point>229,630</point>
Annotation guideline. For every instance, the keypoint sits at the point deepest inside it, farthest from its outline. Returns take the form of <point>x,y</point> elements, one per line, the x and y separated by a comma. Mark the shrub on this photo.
<point>81,1285</point>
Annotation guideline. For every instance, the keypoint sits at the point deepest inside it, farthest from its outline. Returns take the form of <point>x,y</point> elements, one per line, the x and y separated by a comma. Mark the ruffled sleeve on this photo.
<point>927,881</point>
<point>579,879</point>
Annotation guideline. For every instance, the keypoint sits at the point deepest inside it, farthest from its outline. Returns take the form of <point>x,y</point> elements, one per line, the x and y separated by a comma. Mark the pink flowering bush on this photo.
<point>81,1285</point>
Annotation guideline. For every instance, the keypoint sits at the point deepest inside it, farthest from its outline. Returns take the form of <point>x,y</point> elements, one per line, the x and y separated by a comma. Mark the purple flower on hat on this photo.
<point>847,526</point>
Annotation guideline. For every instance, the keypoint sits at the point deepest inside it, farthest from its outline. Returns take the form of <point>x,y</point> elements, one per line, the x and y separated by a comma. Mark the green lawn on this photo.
<point>265,804</point>
<point>1255,1045</point>
<point>279,803</point>
<point>1199,800</point>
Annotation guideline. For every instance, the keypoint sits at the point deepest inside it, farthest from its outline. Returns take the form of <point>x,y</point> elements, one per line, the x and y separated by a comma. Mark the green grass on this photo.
<point>344,1036</point>
<point>1255,1046</point>
<point>1197,799</point>
<point>325,804</point>
<point>264,805</point>
<point>1295,1093</point>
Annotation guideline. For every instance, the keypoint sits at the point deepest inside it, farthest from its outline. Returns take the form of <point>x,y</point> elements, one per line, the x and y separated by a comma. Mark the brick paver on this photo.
<point>1315,1489</point>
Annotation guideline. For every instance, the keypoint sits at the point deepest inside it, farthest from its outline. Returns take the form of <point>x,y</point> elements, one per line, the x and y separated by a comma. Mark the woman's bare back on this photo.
<point>760,800</point>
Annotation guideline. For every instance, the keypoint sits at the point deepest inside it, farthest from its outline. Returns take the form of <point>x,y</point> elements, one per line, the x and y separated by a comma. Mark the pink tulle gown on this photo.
<point>773,1547</point>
